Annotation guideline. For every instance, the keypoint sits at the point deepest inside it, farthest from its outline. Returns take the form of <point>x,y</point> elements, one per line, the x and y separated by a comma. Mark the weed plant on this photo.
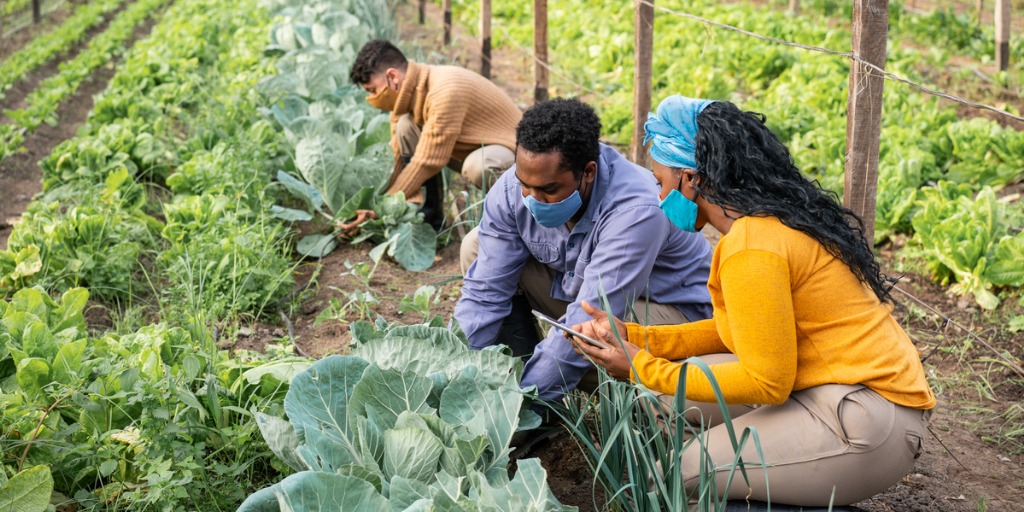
<point>633,441</point>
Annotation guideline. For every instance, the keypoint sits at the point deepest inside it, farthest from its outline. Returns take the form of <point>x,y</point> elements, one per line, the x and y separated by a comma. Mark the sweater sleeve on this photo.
<point>759,301</point>
<point>677,341</point>
<point>441,130</point>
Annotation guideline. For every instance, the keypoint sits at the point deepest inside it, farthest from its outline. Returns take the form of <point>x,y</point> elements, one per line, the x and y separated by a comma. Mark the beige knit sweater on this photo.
<point>458,110</point>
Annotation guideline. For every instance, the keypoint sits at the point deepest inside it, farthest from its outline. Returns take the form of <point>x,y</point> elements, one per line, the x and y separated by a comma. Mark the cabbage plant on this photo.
<point>412,419</point>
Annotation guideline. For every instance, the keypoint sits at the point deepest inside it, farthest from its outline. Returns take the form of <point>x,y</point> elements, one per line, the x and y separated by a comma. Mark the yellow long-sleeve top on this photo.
<point>794,315</point>
<point>458,111</point>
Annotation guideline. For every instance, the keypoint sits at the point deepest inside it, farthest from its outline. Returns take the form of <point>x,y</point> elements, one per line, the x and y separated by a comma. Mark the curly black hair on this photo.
<point>742,165</point>
<point>375,57</point>
<point>565,125</point>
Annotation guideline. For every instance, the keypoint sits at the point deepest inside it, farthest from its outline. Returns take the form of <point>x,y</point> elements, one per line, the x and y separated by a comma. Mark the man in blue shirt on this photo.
<point>573,220</point>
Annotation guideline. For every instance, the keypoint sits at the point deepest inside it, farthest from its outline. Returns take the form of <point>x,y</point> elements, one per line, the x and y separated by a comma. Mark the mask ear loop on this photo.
<point>580,184</point>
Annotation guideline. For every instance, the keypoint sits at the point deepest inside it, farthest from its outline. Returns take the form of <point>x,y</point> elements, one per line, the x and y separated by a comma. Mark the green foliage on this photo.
<point>984,153</point>
<point>421,301</point>
<point>48,45</point>
<point>42,102</point>
<point>413,418</point>
<point>223,260</point>
<point>27,491</point>
<point>399,232</point>
<point>803,94</point>
<point>1016,324</point>
<point>633,441</point>
<point>340,142</point>
<point>967,239</point>
<point>95,246</point>
<point>81,162</point>
<point>134,416</point>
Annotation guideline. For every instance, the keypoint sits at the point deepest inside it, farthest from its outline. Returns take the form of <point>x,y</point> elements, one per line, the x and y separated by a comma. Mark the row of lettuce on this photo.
<point>164,215</point>
<point>45,47</point>
<point>40,105</point>
<point>939,173</point>
<point>150,415</point>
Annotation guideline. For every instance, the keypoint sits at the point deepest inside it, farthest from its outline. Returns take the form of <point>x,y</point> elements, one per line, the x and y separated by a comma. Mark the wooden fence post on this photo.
<point>864,111</point>
<point>1003,34</point>
<point>979,7</point>
<point>794,7</point>
<point>423,11</point>
<point>644,40</point>
<point>447,6</point>
<point>540,50</point>
<point>37,14</point>
<point>485,38</point>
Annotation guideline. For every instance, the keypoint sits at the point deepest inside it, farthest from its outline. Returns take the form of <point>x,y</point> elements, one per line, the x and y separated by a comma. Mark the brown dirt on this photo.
<point>20,177</point>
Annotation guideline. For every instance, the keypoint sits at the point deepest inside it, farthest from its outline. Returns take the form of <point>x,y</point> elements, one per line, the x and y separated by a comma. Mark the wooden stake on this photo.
<point>423,12</point>
<point>864,111</point>
<point>1003,34</point>
<point>794,7</point>
<point>37,15</point>
<point>644,40</point>
<point>540,50</point>
<point>447,6</point>
<point>485,38</point>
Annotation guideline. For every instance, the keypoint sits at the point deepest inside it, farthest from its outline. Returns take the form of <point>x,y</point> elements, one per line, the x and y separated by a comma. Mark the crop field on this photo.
<point>183,326</point>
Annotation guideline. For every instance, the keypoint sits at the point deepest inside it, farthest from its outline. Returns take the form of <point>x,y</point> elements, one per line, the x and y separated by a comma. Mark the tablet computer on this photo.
<point>565,328</point>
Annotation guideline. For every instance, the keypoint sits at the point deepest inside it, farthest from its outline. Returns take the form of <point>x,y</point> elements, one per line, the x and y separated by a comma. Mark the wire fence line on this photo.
<point>1011,364</point>
<point>849,55</point>
<point>564,75</point>
<point>946,320</point>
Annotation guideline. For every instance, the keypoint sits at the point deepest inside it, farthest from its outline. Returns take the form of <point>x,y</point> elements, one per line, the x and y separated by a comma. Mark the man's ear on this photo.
<point>393,75</point>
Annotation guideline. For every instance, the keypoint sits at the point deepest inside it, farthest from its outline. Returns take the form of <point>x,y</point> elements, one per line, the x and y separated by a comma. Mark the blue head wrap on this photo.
<point>674,131</point>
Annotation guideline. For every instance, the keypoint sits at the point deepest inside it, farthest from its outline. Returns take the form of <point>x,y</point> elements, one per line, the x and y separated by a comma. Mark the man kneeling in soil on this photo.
<point>573,220</point>
<point>440,115</point>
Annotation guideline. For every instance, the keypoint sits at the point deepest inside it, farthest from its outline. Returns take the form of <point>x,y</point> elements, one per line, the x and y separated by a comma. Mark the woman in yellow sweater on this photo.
<point>802,342</point>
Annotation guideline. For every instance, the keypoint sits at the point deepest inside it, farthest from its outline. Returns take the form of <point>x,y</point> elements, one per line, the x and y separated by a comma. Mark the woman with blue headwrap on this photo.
<point>802,343</point>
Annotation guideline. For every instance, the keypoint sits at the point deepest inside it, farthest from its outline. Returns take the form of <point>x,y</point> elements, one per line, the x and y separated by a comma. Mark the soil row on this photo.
<point>20,177</point>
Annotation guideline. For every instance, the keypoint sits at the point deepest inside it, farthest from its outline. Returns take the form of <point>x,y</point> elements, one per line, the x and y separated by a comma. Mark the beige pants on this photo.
<point>492,160</point>
<point>834,443</point>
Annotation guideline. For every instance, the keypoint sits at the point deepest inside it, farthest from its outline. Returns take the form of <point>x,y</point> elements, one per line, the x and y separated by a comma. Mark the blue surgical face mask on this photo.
<point>551,215</point>
<point>680,210</point>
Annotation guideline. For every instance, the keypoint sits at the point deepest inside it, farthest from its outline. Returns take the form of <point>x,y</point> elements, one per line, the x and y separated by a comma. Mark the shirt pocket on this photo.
<point>543,252</point>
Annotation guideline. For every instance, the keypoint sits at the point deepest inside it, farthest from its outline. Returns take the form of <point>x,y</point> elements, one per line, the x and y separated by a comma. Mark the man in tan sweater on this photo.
<point>440,115</point>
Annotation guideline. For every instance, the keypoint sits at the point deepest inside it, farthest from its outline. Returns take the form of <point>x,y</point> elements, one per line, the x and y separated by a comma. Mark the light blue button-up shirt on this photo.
<point>624,246</point>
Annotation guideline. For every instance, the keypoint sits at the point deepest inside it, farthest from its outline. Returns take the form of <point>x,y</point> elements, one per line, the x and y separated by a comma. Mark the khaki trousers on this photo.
<point>535,283</point>
<point>834,443</point>
<point>491,160</point>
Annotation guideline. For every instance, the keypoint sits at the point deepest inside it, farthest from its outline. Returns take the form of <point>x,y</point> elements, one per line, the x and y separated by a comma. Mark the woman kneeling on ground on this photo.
<point>803,342</point>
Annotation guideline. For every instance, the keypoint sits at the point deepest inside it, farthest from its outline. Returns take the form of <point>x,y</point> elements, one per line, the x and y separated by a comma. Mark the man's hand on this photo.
<point>351,229</point>
<point>615,360</point>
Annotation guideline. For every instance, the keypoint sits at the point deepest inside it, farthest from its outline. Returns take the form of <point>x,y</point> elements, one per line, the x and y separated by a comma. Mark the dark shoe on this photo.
<point>519,330</point>
<point>433,202</point>
<point>525,442</point>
